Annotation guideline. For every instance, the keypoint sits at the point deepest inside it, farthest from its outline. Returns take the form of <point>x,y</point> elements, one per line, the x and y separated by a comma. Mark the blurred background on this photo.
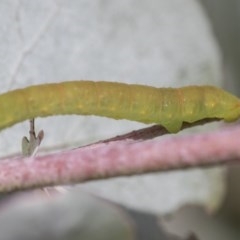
<point>163,43</point>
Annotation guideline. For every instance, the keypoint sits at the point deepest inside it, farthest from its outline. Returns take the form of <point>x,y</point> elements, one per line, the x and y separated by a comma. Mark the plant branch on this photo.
<point>121,159</point>
<point>152,132</point>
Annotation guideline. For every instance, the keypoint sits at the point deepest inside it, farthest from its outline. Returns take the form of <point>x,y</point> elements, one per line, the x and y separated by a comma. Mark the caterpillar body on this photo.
<point>169,107</point>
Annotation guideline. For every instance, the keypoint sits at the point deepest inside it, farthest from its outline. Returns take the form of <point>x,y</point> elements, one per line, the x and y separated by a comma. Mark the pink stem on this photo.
<point>119,159</point>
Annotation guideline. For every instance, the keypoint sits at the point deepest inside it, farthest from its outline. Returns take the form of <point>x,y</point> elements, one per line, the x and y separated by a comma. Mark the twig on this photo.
<point>152,132</point>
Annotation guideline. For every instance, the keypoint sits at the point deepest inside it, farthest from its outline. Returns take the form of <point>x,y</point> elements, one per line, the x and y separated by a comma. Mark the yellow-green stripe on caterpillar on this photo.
<point>169,107</point>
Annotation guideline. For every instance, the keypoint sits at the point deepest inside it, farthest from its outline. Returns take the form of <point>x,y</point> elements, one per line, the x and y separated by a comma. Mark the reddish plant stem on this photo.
<point>121,159</point>
<point>153,131</point>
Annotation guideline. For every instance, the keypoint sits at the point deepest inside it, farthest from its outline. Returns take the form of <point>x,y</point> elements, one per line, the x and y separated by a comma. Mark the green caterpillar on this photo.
<point>169,107</point>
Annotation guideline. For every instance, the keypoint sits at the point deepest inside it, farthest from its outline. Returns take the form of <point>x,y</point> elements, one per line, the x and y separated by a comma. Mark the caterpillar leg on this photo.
<point>30,146</point>
<point>173,127</point>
